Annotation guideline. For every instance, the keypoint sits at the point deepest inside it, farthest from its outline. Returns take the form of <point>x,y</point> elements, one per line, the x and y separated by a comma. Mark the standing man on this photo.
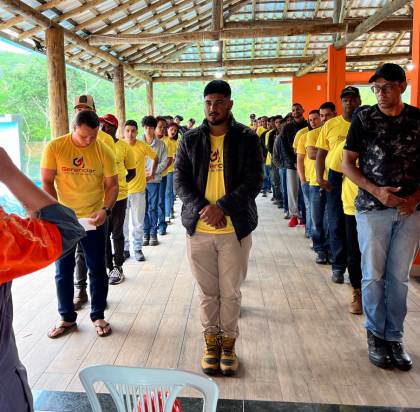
<point>287,137</point>
<point>136,202</point>
<point>304,167</point>
<point>275,171</point>
<point>149,124</point>
<point>328,159</point>
<point>218,175</point>
<point>80,172</point>
<point>126,168</point>
<point>81,103</point>
<point>317,197</point>
<point>385,140</point>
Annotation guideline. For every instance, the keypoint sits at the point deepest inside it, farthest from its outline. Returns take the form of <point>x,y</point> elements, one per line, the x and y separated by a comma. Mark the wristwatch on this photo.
<point>107,210</point>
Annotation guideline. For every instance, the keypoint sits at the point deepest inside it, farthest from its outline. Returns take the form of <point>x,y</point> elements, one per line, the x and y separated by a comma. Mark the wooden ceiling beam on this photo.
<point>289,28</point>
<point>168,79</point>
<point>272,61</point>
<point>368,24</point>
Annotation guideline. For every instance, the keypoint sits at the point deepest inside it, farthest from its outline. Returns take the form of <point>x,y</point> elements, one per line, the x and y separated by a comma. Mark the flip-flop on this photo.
<point>65,330</point>
<point>103,334</point>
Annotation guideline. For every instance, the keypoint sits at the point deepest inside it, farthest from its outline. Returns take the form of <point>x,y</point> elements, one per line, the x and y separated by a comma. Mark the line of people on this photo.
<point>353,181</point>
<point>108,181</point>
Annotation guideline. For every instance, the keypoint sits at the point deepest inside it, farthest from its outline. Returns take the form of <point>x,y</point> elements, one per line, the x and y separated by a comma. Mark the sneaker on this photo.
<point>162,232</point>
<point>301,222</point>
<point>280,205</point>
<point>138,254</point>
<point>264,194</point>
<point>146,240</point>
<point>126,254</point>
<point>273,199</point>
<point>293,222</point>
<point>356,302</point>
<point>287,215</point>
<point>378,351</point>
<point>337,276</point>
<point>321,258</point>
<point>116,275</point>
<point>210,362</point>
<point>153,240</point>
<point>399,357</point>
<point>80,298</point>
<point>228,360</point>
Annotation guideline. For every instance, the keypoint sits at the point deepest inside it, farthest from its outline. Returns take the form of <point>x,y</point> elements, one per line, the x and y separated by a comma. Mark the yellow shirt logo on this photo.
<point>78,162</point>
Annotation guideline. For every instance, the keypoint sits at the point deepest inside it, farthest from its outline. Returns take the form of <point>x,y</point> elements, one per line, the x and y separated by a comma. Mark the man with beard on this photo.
<point>218,175</point>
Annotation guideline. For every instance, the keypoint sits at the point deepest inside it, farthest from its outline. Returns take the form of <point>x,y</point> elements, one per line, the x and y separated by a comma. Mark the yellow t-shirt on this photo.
<point>268,159</point>
<point>297,136</point>
<point>125,160</point>
<point>301,150</point>
<point>349,189</point>
<point>80,172</point>
<point>332,134</point>
<point>171,147</point>
<point>260,130</point>
<point>311,138</point>
<point>140,149</point>
<point>107,139</point>
<point>215,188</point>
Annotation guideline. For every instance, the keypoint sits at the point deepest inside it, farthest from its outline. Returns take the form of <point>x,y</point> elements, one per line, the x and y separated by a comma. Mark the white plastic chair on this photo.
<point>129,386</point>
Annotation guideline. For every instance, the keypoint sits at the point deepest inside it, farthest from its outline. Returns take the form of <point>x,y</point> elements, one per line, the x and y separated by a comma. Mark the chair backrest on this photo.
<point>131,387</point>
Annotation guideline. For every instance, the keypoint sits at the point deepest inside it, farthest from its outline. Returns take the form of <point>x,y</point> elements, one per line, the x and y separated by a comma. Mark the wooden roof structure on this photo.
<point>181,40</point>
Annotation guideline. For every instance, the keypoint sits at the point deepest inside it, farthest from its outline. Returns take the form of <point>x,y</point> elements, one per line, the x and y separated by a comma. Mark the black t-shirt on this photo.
<point>389,151</point>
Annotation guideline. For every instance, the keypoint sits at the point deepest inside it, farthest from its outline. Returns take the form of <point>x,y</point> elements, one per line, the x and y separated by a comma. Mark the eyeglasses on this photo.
<point>386,88</point>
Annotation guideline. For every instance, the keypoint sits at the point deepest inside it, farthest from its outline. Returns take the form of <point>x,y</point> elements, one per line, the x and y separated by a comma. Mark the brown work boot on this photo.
<point>228,361</point>
<point>211,357</point>
<point>80,298</point>
<point>356,302</point>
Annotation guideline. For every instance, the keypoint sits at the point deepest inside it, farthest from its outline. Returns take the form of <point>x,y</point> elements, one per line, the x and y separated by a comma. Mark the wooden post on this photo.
<point>415,50</point>
<point>57,88</point>
<point>149,90</point>
<point>119,96</point>
<point>336,77</point>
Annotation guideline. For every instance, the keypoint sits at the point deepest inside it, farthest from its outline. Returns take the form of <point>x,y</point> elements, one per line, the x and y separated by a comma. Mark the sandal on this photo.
<point>100,330</point>
<point>61,329</point>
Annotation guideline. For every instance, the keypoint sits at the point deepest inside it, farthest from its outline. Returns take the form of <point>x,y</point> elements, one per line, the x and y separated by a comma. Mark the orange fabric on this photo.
<point>27,245</point>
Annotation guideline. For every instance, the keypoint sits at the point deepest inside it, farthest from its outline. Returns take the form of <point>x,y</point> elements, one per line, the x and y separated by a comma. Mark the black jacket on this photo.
<point>285,140</point>
<point>242,169</point>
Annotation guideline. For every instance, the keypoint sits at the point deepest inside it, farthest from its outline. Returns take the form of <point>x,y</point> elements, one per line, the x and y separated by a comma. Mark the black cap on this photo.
<point>391,72</point>
<point>350,91</point>
<point>218,86</point>
<point>178,116</point>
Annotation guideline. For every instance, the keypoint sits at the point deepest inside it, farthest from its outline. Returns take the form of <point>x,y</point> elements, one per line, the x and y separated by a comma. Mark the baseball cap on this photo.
<point>350,91</point>
<point>391,72</point>
<point>85,100</point>
<point>109,118</point>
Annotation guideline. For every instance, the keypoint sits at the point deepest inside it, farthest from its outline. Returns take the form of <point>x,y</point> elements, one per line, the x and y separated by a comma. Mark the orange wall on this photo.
<point>415,50</point>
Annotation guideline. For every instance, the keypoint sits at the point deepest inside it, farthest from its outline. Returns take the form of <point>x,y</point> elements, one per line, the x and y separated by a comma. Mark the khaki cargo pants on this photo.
<point>219,264</point>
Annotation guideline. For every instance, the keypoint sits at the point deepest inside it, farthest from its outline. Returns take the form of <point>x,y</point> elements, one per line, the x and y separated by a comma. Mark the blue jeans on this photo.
<point>267,182</point>
<point>169,195</point>
<point>318,202</point>
<point>388,243</point>
<point>151,215</point>
<point>336,222</point>
<point>161,225</point>
<point>308,224</point>
<point>93,247</point>
<point>283,186</point>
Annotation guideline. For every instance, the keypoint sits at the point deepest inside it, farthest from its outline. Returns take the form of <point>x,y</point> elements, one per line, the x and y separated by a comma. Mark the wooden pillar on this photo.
<point>336,75</point>
<point>415,52</point>
<point>119,96</point>
<point>149,90</point>
<point>57,88</point>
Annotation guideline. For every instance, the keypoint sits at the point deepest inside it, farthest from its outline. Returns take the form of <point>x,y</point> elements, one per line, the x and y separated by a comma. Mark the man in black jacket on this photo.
<point>289,157</point>
<point>218,175</point>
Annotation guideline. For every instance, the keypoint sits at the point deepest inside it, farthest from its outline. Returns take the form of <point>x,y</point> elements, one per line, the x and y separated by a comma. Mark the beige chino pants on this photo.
<point>219,264</point>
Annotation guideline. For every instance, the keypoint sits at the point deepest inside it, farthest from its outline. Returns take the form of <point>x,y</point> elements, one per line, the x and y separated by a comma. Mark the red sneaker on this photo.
<point>293,222</point>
